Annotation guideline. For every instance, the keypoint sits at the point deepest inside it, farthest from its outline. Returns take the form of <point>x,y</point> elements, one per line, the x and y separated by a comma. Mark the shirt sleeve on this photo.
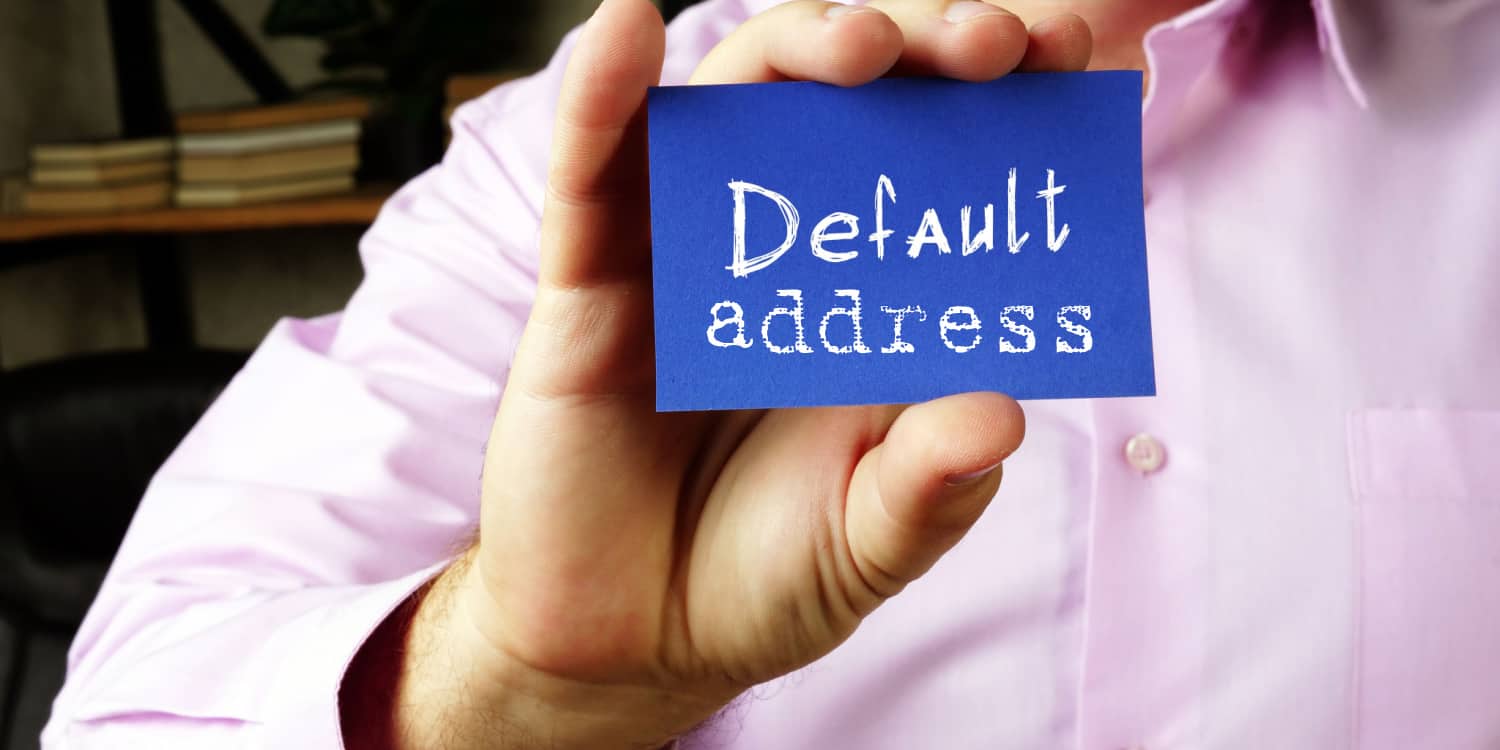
<point>339,471</point>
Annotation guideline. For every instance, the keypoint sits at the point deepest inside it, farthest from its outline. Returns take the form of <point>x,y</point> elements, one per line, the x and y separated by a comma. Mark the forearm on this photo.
<point>428,679</point>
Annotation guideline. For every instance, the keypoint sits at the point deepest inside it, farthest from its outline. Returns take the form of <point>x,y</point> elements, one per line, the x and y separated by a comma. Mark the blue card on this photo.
<point>899,241</point>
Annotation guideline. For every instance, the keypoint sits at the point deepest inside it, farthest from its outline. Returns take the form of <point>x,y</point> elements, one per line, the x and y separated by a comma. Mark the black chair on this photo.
<point>79,440</point>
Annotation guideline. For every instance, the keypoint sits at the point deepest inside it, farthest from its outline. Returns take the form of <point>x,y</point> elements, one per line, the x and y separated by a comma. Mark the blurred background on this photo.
<point>175,176</point>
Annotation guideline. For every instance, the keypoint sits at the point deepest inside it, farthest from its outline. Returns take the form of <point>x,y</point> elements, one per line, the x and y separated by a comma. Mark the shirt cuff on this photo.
<point>302,708</point>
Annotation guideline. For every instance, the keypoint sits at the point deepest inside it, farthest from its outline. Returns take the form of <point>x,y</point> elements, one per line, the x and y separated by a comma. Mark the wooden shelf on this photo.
<point>358,207</point>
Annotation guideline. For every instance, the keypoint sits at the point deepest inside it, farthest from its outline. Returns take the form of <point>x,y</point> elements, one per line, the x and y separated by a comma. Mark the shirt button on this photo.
<point>1145,453</point>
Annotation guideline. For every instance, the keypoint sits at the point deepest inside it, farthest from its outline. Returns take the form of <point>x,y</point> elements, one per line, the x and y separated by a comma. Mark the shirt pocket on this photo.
<point>1427,488</point>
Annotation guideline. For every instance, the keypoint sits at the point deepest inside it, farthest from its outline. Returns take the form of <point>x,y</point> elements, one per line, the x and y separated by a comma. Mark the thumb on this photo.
<point>595,230</point>
<point>913,496</point>
<point>596,180</point>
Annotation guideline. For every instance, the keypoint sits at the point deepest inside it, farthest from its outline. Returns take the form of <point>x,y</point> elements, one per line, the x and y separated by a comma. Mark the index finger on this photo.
<point>805,40</point>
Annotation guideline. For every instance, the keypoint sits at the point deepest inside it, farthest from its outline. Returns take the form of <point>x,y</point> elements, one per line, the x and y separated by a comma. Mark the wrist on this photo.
<point>430,676</point>
<point>567,712</point>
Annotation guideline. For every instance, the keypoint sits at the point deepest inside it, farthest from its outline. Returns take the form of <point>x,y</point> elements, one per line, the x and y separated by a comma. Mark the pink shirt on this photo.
<point>1302,549</point>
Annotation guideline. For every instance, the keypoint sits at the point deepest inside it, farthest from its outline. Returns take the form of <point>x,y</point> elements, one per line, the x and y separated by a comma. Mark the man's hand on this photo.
<point>634,570</point>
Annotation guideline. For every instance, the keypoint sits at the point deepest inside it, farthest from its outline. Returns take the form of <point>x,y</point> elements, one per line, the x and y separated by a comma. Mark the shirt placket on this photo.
<point>1141,684</point>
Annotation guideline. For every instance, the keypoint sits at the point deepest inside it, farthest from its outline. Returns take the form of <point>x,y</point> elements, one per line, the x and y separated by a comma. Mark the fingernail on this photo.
<point>965,10</point>
<point>954,480</point>
<point>845,10</point>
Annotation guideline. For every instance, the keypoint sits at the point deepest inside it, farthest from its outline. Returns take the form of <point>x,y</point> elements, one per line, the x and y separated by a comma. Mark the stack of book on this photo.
<point>100,177</point>
<point>277,152</point>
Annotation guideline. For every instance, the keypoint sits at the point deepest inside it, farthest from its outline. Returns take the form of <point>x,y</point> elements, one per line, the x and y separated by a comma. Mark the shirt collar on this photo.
<point>1331,15</point>
<point>1332,39</point>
